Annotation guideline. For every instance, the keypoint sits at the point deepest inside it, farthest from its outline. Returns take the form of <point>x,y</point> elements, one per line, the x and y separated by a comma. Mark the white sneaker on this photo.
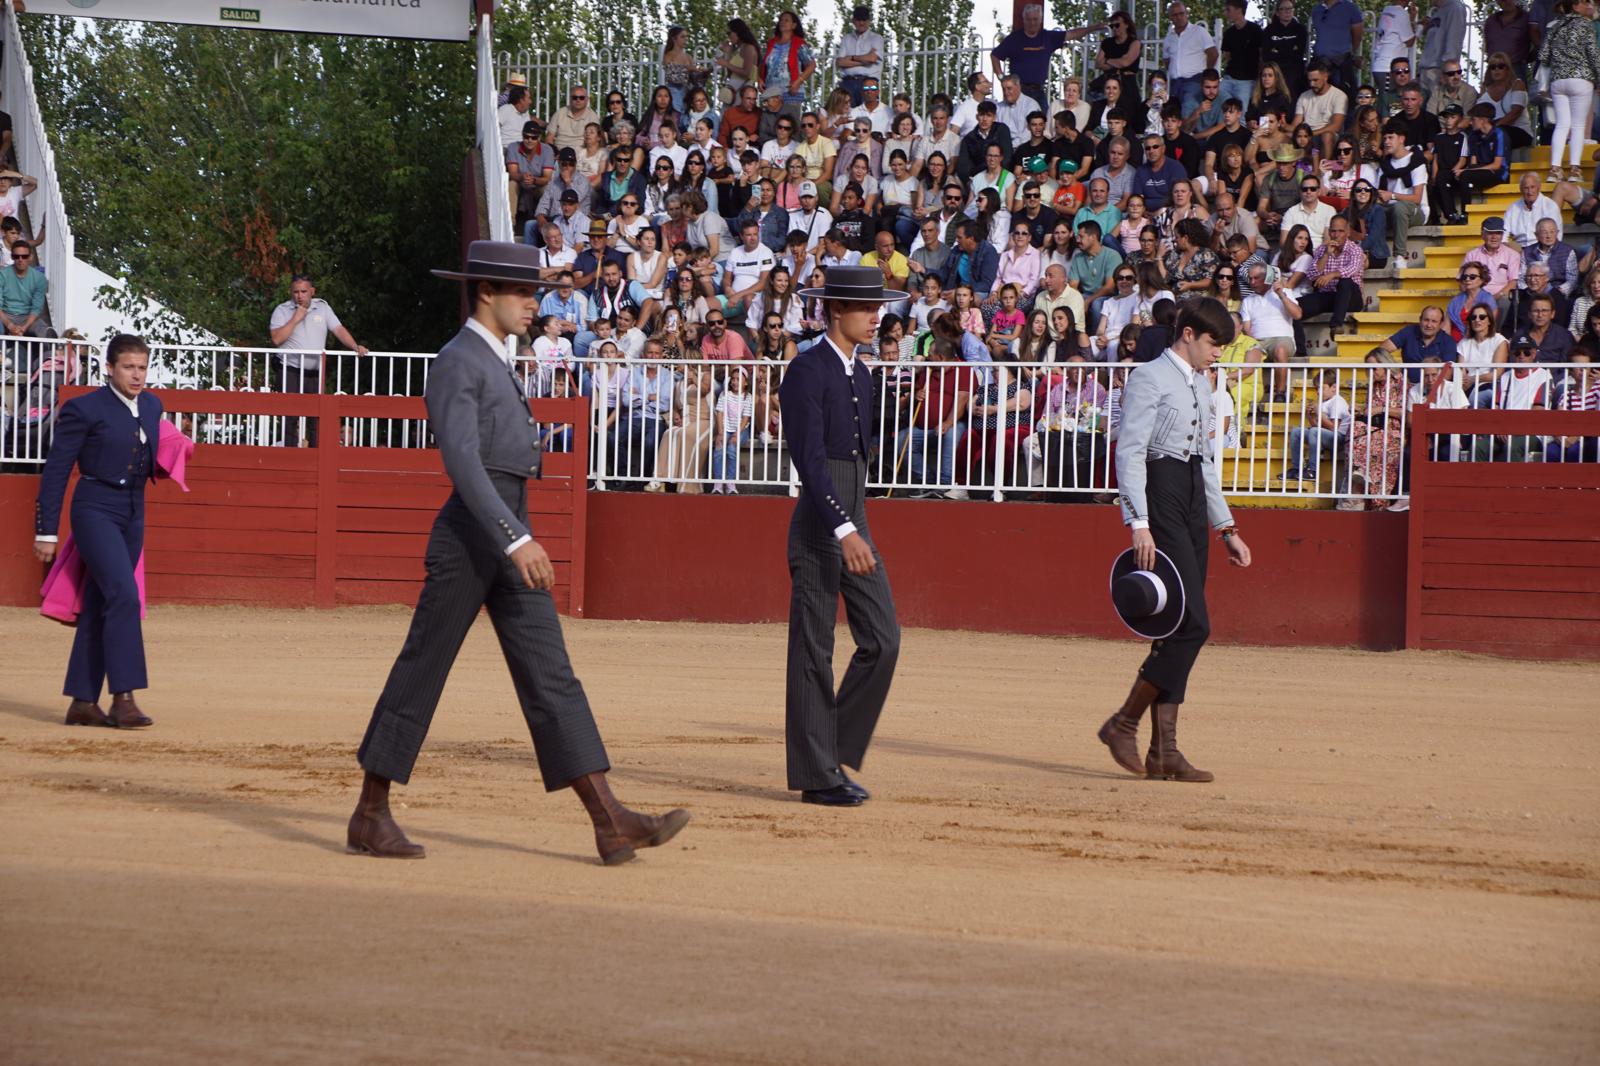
<point>1350,503</point>
<point>767,437</point>
<point>1402,504</point>
<point>957,494</point>
<point>733,490</point>
<point>1399,262</point>
<point>655,486</point>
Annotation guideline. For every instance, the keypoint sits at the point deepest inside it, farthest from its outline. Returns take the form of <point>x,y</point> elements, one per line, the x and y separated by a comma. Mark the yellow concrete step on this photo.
<point>1282,503</point>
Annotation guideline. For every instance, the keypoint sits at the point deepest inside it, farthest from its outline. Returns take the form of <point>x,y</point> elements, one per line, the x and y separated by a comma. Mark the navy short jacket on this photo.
<point>98,433</point>
<point>827,414</point>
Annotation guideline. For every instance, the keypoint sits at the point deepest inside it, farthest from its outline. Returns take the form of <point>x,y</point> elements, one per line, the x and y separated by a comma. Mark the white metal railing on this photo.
<point>31,372</point>
<point>36,159</point>
<point>496,190</point>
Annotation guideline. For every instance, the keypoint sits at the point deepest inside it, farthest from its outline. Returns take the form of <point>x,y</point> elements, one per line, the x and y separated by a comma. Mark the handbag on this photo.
<point>1540,89</point>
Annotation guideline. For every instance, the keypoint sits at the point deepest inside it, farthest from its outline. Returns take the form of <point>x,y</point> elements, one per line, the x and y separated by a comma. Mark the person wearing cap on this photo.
<point>512,82</point>
<point>482,552</point>
<point>860,54</point>
<point>529,166</point>
<point>571,221</point>
<point>1170,493</point>
<point>1527,387</point>
<point>1502,262</point>
<point>597,252</point>
<point>513,115</point>
<point>1278,191</point>
<point>812,219</point>
<point>829,413</point>
<point>566,179</point>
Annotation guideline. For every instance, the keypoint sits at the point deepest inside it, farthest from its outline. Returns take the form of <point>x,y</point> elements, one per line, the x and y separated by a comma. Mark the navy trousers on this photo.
<point>108,529</point>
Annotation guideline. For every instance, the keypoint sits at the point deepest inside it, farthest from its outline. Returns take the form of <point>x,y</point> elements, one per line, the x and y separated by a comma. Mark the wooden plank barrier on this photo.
<point>330,525</point>
<point>1503,557</point>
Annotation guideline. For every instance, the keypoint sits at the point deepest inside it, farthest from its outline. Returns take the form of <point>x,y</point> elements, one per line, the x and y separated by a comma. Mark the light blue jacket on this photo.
<point>1165,414</point>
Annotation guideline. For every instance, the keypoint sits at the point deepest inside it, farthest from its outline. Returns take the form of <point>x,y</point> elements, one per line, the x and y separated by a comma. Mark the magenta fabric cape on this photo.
<point>62,591</point>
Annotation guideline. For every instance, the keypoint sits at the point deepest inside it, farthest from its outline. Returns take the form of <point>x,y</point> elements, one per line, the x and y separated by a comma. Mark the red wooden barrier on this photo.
<point>1504,558</point>
<point>331,525</point>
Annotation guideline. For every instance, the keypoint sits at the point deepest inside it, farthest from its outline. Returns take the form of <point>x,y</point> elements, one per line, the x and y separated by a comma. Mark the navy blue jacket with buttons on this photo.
<point>827,414</point>
<point>98,433</point>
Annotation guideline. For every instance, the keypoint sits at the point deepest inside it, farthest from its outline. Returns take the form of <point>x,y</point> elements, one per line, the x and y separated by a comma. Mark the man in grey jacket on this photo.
<point>1171,492</point>
<point>481,552</point>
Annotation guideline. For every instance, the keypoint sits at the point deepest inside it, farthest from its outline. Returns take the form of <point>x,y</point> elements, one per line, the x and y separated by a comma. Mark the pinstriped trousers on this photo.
<point>827,730</point>
<point>467,570</point>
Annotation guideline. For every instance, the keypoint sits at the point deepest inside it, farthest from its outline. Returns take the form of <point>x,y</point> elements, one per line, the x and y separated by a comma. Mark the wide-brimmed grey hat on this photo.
<point>862,284</point>
<point>499,261</point>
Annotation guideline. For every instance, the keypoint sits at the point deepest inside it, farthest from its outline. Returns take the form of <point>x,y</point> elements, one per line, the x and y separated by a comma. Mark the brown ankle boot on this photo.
<point>1121,731</point>
<point>617,830</point>
<point>1165,762</point>
<point>125,713</point>
<point>373,830</point>
<point>82,712</point>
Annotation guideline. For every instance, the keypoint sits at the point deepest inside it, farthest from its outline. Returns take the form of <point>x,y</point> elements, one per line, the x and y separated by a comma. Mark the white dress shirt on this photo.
<point>505,349</point>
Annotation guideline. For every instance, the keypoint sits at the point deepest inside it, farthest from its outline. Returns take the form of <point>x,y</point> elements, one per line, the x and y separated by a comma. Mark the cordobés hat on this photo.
<point>1285,154</point>
<point>863,284</point>
<point>1149,602</point>
<point>499,261</point>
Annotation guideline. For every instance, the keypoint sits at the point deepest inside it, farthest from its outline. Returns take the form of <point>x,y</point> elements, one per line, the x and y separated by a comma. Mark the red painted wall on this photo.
<point>1319,577</point>
<point>20,572</point>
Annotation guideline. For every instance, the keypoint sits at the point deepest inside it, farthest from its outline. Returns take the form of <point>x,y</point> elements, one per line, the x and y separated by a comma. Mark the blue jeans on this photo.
<point>852,85</point>
<point>920,441</point>
<point>1186,91</point>
<point>1236,89</point>
<point>725,455</point>
<point>1315,442</point>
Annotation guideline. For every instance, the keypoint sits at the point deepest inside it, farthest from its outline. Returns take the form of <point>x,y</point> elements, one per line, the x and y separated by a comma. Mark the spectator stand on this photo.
<point>1504,558</point>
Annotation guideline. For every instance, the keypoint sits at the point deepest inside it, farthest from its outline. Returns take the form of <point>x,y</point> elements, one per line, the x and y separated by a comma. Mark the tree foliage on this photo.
<point>207,165</point>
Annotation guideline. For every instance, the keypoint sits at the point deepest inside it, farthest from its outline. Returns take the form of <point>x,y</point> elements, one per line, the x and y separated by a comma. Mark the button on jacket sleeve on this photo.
<point>454,396</point>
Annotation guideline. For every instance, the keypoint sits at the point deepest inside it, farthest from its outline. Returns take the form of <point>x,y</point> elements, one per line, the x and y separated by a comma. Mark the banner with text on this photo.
<point>434,20</point>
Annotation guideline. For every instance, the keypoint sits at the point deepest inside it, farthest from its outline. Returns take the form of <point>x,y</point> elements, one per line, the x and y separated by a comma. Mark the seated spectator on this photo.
<point>1278,191</point>
<point>1337,267</point>
<point>567,124</point>
<point>855,220</point>
<point>1191,263</point>
<point>975,144</point>
<point>895,267</point>
<point>638,419</point>
<point>1020,264</point>
<point>1054,292</point>
<point>1530,209</point>
<point>1156,338</point>
<point>669,149</point>
<point>931,300</point>
<point>1268,312</point>
<point>1449,148</point>
<point>617,112</point>
<point>719,341</point>
<point>1502,262</point>
<point>1183,205</point>
<point>1158,175</point>
<point>23,288</point>
<point>744,114</point>
<point>735,415</point>
<point>1439,391</point>
<point>972,262</point>
<point>1118,310</point>
<point>779,298</point>
<point>926,448</point>
<point>597,252</point>
<point>1377,442</point>
<point>1535,282</point>
<point>622,181</point>
<point>1403,189</point>
<point>1310,212</point>
<point>1426,337</point>
<point>775,152</point>
<point>513,116</point>
<point>812,219</point>
<point>1322,107</point>
<point>900,200</point>
<point>530,164</point>
<point>570,221</point>
<point>706,228</point>
<point>1328,429</point>
<point>1092,269</point>
<point>1549,250</point>
<point>748,268</point>
<point>554,371</point>
<point>1552,341</point>
<point>1480,352</point>
<point>836,251</point>
<point>685,447</point>
<point>1579,392</point>
<point>1472,294</point>
<point>1526,388</point>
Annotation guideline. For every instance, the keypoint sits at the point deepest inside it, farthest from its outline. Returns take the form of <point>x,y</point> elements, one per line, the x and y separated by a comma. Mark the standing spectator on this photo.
<point>8,146</point>
<point>1119,57</point>
<point>1509,31</point>
<point>1403,188</point>
<point>23,287</point>
<point>1242,43</point>
<point>788,62</point>
<point>860,54</point>
<point>513,115</point>
<point>678,68</point>
<point>1524,214</point>
<point>1027,49</point>
<point>15,187</point>
<point>565,128</point>
<point>1573,58</point>
<point>1322,106</point>
<point>1337,28</point>
<point>1393,39</point>
<point>1444,39</point>
<point>300,327</point>
<point>744,115</point>
<point>1336,270</point>
<point>1450,89</point>
<point>741,58</point>
<point>964,118</point>
<point>1287,41</point>
<point>1189,50</point>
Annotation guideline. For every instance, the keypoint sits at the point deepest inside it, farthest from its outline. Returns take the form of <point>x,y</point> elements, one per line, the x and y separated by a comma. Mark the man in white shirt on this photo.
<point>941,137</point>
<point>812,220</point>
<point>1310,212</point>
<point>1269,312</point>
<point>512,115</point>
<point>965,119</point>
<point>300,327</point>
<point>747,269</point>
<point>1189,50</point>
<point>1322,106</point>
<point>1524,215</point>
<point>1014,108</point>
<point>860,55</point>
<point>872,108</point>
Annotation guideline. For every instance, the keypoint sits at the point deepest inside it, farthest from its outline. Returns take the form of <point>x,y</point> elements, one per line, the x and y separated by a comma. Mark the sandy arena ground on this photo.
<point>1398,863</point>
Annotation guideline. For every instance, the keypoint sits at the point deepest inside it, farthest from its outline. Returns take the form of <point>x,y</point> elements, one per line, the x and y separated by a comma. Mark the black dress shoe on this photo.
<point>837,796</point>
<point>852,786</point>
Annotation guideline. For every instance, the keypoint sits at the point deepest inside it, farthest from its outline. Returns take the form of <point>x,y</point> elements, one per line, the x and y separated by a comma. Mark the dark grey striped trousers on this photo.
<point>826,731</point>
<point>466,571</point>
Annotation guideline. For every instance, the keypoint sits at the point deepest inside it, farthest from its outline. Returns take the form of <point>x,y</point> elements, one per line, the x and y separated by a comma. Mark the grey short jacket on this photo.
<point>1165,413</point>
<point>481,423</point>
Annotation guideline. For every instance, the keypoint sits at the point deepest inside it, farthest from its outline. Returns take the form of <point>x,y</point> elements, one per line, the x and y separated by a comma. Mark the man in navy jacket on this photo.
<point>982,261</point>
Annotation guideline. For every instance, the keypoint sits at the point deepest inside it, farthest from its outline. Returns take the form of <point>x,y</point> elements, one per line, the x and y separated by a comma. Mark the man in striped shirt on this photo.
<point>1335,277</point>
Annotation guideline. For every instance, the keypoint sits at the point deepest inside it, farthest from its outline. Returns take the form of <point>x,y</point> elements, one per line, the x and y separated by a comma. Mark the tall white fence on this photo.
<point>497,198</point>
<point>36,159</point>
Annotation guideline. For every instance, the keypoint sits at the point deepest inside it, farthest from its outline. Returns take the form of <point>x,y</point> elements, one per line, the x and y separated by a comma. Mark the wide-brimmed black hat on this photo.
<point>499,261</point>
<point>863,284</point>
<point>1149,602</point>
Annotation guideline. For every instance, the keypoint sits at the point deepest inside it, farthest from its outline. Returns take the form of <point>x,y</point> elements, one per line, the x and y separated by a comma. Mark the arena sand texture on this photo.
<point>1398,862</point>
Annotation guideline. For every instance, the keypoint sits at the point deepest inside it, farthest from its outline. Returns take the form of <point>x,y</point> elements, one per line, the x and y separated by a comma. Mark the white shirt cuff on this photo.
<point>47,540</point>
<point>519,542</point>
<point>843,530</point>
<point>1140,523</point>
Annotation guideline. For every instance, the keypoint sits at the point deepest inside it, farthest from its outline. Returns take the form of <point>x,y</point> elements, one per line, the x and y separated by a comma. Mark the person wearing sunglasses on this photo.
<point>1509,94</point>
<point>565,128</point>
<point>1450,88</point>
<point>1472,295</point>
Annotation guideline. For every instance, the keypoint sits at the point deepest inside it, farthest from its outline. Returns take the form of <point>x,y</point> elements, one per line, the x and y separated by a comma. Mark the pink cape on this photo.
<point>63,587</point>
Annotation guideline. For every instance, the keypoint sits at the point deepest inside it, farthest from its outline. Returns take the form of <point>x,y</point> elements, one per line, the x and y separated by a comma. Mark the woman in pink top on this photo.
<point>1020,264</point>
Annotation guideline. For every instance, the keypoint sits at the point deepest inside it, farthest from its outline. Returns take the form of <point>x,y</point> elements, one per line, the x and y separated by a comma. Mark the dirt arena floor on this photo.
<point>1398,862</point>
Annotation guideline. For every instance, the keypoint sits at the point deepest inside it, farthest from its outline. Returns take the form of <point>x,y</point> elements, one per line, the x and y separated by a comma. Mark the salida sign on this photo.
<point>433,20</point>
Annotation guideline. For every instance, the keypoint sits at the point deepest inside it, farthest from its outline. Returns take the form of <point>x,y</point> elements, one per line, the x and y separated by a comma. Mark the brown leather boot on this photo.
<point>82,712</point>
<point>125,713</point>
<point>1121,731</point>
<point>1165,762</point>
<point>373,830</point>
<point>617,830</point>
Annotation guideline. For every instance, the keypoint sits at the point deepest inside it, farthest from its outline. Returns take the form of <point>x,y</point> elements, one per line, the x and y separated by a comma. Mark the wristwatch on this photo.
<point>1228,531</point>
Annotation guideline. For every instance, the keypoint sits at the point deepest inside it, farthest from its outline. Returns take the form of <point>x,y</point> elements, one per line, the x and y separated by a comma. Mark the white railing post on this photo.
<point>37,159</point>
<point>496,189</point>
